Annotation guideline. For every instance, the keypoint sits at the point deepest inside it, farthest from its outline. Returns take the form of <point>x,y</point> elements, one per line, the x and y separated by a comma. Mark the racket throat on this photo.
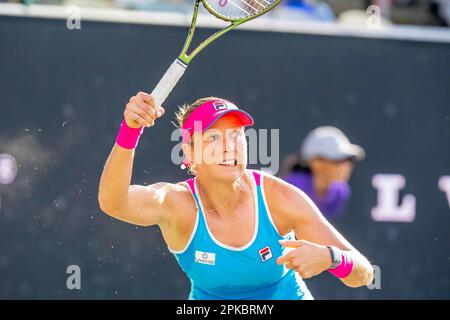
<point>184,56</point>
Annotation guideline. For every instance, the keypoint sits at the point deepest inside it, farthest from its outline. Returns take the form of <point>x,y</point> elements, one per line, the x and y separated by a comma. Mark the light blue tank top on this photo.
<point>218,271</point>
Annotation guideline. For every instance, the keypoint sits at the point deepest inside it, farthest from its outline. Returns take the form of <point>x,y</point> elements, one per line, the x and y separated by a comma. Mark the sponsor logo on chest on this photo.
<point>205,257</point>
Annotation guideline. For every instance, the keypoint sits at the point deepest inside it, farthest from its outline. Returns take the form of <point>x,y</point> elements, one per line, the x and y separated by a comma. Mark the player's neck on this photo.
<point>221,198</point>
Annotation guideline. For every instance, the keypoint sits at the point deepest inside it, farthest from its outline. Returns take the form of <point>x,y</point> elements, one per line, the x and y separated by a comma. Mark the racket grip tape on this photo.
<point>168,81</point>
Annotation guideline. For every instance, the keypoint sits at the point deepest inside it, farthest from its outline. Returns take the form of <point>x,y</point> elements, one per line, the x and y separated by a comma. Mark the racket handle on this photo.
<point>168,81</point>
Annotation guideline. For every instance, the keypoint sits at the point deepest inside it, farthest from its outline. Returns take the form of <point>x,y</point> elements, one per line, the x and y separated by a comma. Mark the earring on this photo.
<point>192,170</point>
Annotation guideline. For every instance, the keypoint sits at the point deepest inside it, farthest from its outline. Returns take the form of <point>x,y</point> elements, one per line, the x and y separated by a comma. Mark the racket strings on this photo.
<point>239,9</point>
<point>259,4</point>
<point>255,5</point>
<point>247,5</point>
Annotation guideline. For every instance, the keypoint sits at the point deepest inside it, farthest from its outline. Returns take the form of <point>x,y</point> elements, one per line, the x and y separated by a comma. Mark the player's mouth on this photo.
<point>229,163</point>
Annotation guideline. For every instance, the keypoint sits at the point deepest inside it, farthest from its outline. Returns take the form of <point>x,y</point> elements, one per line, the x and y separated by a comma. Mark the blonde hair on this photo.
<point>186,109</point>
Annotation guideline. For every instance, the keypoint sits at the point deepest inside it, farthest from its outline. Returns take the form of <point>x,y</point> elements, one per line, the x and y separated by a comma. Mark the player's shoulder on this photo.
<point>279,193</point>
<point>176,192</point>
<point>273,185</point>
<point>283,201</point>
<point>183,207</point>
<point>171,196</point>
<point>183,197</point>
<point>176,199</point>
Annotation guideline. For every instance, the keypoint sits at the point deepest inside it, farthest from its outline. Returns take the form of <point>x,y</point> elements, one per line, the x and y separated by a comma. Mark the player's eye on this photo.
<point>236,134</point>
<point>212,138</point>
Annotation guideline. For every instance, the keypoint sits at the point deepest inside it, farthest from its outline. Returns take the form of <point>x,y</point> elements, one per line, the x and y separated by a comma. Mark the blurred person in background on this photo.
<point>361,17</point>
<point>384,5</point>
<point>441,8</point>
<point>323,168</point>
<point>304,10</point>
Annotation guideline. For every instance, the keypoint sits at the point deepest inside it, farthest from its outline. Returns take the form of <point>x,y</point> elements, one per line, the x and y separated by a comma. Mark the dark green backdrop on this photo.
<point>62,97</point>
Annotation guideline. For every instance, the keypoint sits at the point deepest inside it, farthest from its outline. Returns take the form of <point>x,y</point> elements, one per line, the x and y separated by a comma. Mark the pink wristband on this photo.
<point>344,269</point>
<point>128,137</point>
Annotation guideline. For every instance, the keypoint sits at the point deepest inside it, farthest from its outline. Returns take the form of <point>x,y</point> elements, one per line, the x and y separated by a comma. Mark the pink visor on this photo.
<point>207,114</point>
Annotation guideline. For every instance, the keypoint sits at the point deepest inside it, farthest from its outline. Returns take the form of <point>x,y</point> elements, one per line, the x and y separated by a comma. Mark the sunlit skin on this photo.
<point>228,199</point>
<point>225,192</point>
<point>224,140</point>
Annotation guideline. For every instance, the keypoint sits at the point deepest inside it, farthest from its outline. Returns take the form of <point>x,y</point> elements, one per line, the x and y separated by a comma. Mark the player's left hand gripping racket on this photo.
<point>234,11</point>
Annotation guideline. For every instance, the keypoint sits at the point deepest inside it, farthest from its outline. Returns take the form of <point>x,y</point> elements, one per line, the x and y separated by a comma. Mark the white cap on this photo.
<point>329,143</point>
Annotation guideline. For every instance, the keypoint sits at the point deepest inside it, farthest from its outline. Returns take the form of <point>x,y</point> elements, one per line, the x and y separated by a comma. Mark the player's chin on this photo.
<point>231,171</point>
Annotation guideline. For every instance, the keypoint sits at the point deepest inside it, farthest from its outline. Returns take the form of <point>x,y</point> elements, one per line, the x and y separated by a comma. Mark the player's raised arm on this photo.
<point>141,205</point>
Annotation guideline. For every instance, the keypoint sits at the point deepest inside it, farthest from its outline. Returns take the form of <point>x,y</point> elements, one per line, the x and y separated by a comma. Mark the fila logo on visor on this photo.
<point>220,105</point>
<point>265,254</point>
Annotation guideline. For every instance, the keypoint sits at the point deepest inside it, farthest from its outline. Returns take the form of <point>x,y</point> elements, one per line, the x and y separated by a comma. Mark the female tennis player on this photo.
<point>232,230</point>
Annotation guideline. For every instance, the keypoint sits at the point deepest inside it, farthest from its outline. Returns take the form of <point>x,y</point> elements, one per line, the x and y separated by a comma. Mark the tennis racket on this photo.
<point>234,11</point>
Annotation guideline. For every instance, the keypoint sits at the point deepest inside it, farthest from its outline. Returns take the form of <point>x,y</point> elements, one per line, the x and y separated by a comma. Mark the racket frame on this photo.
<point>187,58</point>
<point>178,67</point>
